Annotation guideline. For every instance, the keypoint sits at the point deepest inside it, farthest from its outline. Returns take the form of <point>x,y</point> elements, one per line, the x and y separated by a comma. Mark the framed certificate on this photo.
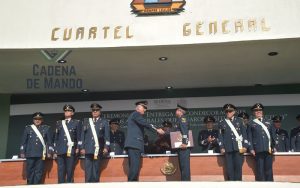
<point>176,139</point>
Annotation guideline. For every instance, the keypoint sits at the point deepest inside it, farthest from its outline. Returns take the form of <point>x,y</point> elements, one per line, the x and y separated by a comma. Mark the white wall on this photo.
<point>29,23</point>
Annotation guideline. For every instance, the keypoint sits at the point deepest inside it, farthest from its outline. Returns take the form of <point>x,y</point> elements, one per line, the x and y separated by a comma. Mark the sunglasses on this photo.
<point>95,110</point>
<point>68,110</point>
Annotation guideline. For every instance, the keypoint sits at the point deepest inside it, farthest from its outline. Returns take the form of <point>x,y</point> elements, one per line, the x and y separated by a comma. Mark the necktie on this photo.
<point>67,121</point>
<point>259,119</point>
<point>95,119</point>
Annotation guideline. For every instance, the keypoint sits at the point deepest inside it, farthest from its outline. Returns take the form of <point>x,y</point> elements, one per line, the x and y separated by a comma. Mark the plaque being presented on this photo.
<point>176,139</point>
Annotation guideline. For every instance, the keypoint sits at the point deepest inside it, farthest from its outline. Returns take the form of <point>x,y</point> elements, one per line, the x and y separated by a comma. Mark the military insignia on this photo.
<point>157,7</point>
<point>54,55</point>
<point>168,169</point>
<point>183,120</point>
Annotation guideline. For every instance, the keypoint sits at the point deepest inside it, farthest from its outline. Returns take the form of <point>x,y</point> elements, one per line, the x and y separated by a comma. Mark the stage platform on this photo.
<point>175,184</point>
<point>162,167</point>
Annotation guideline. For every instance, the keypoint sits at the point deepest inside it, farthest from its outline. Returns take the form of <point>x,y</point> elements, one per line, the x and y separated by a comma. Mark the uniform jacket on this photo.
<point>205,145</point>
<point>258,139</point>
<point>182,125</point>
<point>60,138</point>
<point>117,141</point>
<point>227,139</point>
<point>295,139</point>
<point>135,131</point>
<point>282,141</point>
<point>31,145</point>
<point>103,133</point>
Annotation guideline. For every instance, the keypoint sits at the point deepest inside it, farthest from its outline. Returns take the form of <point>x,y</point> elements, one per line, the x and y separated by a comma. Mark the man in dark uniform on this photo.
<point>66,139</point>
<point>295,137</point>
<point>36,140</point>
<point>245,118</point>
<point>232,142</point>
<point>282,141</point>
<point>117,137</point>
<point>208,138</point>
<point>163,143</point>
<point>183,152</point>
<point>134,143</point>
<point>261,137</point>
<point>95,142</point>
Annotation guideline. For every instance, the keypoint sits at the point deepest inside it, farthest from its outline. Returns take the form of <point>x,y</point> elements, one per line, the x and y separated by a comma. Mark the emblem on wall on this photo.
<point>157,7</point>
<point>168,169</point>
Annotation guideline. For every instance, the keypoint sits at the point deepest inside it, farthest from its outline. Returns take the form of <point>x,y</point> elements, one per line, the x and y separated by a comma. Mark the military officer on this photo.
<point>134,143</point>
<point>208,138</point>
<point>232,142</point>
<point>184,151</point>
<point>36,140</point>
<point>117,137</point>
<point>282,141</point>
<point>163,143</point>
<point>295,137</point>
<point>245,118</point>
<point>261,137</point>
<point>67,135</point>
<point>95,139</point>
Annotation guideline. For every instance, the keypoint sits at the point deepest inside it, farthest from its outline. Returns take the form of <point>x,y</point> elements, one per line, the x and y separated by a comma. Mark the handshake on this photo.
<point>158,130</point>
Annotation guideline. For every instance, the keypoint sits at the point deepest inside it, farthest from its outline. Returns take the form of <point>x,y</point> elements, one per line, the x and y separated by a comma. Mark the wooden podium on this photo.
<point>204,167</point>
